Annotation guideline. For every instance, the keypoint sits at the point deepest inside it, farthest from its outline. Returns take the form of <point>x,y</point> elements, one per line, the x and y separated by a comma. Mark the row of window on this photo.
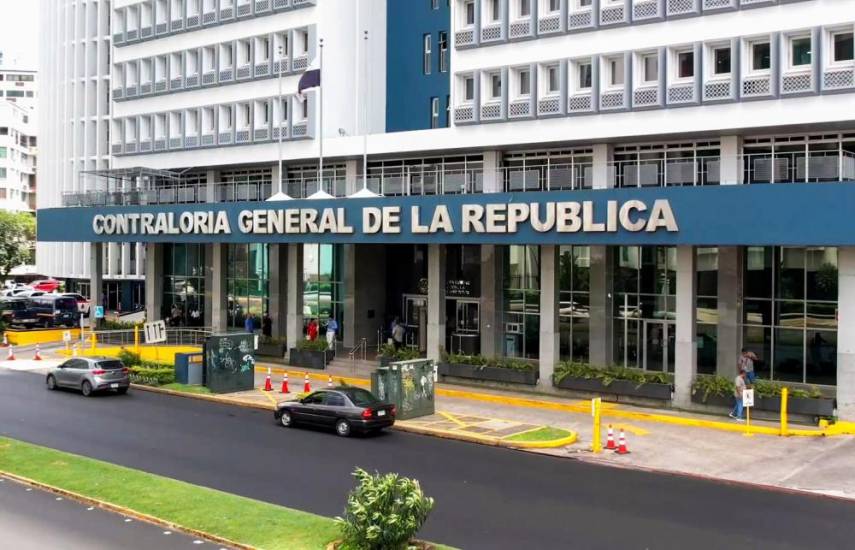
<point>257,121</point>
<point>155,18</point>
<point>17,77</point>
<point>787,63</point>
<point>427,56</point>
<point>264,56</point>
<point>486,22</point>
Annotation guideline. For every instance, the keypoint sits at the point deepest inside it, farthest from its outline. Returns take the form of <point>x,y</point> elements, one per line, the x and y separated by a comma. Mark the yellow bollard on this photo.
<point>596,440</point>
<point>784,398</point>
<point>136,338</point>
<point>94,340</point>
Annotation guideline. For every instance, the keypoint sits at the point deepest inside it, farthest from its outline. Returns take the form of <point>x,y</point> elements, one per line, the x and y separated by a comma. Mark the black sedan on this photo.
<point>344,408</point>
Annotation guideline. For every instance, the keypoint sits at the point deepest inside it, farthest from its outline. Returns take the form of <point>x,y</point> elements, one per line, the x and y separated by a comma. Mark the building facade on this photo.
<point>654,184</point>
<point>18,146</point>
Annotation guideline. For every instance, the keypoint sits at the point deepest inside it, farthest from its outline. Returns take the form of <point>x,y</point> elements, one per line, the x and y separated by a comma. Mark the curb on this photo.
<point>125,511</point>
<point>400,426</point>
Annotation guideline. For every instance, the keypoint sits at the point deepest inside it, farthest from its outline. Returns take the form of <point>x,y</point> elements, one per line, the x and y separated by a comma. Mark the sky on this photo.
<point>19,33</point>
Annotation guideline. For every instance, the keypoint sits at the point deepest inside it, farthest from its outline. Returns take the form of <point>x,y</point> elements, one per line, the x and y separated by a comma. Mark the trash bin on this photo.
<point>188,368</point>
<point>409,385</point>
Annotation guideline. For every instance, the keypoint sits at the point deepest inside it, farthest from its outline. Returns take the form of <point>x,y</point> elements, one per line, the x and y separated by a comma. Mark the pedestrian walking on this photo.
<point>248,324</point>
<point>746,365</point>
<point>398,333</point>
<point>738,388</point>
<point>312,330</point>
<point>267,326</point>
<point>332,329</point>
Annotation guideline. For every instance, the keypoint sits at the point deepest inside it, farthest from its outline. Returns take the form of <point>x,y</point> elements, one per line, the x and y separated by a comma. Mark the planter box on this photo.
<point>271,350</point>
<point>310,359</point>
<point>618,387</point>
<point>822,406</point>
<point>493,374</point>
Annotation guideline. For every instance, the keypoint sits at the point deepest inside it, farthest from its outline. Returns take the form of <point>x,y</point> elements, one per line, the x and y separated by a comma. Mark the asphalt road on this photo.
<point>485,497</point>
<point>31,519</point>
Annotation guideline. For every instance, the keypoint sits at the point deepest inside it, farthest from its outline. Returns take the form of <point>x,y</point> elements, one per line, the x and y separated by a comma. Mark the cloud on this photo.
<point>19,33</point>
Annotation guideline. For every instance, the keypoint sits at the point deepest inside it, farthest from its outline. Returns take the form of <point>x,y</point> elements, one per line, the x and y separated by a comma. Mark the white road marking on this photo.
<point>90,508</point>
<point>58,498</point>
<point>29,489</point>
<point>197,541</point>
<point>167,532</point>
<point>128,520</point>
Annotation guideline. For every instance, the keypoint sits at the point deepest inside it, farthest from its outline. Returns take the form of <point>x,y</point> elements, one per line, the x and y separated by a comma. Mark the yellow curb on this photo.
<point>267,395</point>
<point>551,444</point>
<point>452,418</point>
<point>124,511</point>
<point>484,440</point>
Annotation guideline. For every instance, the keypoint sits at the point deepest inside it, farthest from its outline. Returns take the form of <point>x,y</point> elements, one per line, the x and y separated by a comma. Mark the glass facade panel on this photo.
<point>184,294</point>
<point>323,285</point>
<point>247,284</point>
<point>521,279</point>
<point>574,300</point>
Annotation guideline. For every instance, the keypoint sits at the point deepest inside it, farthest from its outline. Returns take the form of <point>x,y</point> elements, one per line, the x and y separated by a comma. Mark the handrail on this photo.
<point>360,347</point>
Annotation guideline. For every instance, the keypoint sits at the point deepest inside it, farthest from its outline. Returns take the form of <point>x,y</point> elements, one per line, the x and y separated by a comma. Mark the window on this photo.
<point>616,71</point>
<point>584,76</point>
<point>496,86</point>
<point>650,68</point>
<point>842,46</point>
<point>3,151</point>
<point>761,59</point>
<point>447,111</point>
<point>2,173</point>
<point>800,51</point>
<point>685,64</point>
<point>495,14</point>
<point>443,52</point>
<point>469,10</point>
<point>525,8</point>
<point>584,3</point>
<point>426,63</point>
<point>434,112</point>
<point>554,5</point>
<point>434,4</point>
<point>552,80</point>
<point>525,83</point>
<point>469,88</point>
<point>721,61</point>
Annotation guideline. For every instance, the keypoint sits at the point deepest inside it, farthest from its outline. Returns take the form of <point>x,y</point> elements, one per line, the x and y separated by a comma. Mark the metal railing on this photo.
<point>360,350</point>
<point>408,181</point>
<point>547,177</point>
<point>664,172</point>
<point>128,337</point>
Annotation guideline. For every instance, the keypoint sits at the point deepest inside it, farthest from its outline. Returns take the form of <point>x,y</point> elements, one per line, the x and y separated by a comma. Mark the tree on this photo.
<point>17,233</point>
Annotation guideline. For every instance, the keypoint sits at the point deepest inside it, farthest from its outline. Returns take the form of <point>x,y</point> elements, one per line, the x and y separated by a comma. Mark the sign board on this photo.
<point>99,312</point>
<point>748,398</point>
<point>229,362</point>
<point>155,332</point>
<point>66,336</point>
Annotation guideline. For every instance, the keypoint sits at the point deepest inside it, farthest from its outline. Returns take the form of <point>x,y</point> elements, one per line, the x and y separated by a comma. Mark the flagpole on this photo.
<point>321,121</point>
<point>281,117</point>
<point>367,106</point>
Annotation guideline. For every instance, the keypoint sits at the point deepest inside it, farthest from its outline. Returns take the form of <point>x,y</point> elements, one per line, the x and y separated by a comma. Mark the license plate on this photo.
<point>381,413</point>
<point>114,386</point>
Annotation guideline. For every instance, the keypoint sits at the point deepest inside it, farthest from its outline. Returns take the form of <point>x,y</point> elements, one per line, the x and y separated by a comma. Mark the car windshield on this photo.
<point>65,303</point>
<point>110,365</point>
<point>360,397</point>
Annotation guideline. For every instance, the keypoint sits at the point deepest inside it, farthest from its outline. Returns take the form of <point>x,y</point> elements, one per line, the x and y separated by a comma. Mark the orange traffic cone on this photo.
<point>5,340</point>
<point>307,388</point>
<point>610,439</point>
<point>38,356</point>
<point>329,381</point>
<point>622,450</point>
<point>268,386</point>
<point>11,355</point>
<point>285,384</point>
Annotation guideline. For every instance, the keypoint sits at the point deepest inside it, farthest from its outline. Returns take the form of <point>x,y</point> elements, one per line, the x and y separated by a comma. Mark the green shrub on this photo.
<point>383,512</point>
<point>724,387</point>
<point>129,358</point>
<point>481,361</point>
<point>106,324</point>
<point>271,340</point>
<point>607,375</point>
<point>404,354</point>
<point>152,376</point>
<point>312,345</point>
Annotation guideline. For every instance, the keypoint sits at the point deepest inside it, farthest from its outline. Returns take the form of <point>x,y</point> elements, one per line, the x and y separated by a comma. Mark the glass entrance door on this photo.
<point>658,346</point>
<point>415,319</point>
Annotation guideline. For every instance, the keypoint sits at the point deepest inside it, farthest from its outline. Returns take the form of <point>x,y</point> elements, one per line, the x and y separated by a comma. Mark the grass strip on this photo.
<point>236,518</point>
<point>185,388</point>
<point>542,434</point>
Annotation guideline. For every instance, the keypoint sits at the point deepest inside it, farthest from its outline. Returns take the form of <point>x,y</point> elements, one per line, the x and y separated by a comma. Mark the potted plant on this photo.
<point>269,346</point>
<point>310,354</point>
<point>495,369</point>
<point>808,401</point>
<point>614,380</point>
<point>388,354</point>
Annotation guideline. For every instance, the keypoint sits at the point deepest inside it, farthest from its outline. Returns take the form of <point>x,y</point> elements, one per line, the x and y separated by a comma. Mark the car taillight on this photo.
<point>98,372</point>
<point>394,410</point>
<point>367,413</point>
<point>125,370</point>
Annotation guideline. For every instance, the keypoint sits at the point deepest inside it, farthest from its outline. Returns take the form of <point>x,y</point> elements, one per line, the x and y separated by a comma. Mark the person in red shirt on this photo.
<point>312,330</point>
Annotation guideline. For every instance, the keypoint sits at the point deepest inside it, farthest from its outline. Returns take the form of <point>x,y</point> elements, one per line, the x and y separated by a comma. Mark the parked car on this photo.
<point>8,307</point>
<point>48,310</point>
<point>16,291</point>
<point>346,409</point>
<point>82,302</point>
<point>46,285</point>
<point>90,374</point>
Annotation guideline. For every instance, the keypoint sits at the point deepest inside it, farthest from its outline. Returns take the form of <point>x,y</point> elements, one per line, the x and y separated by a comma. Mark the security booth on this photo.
<point>409,385</point>
<point>229,362</point>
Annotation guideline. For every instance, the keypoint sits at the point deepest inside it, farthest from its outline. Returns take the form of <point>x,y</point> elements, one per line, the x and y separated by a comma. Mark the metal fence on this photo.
<point>174,337</point>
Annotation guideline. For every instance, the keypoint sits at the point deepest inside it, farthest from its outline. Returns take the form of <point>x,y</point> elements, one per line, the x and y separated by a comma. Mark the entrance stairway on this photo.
<point>358,368</point>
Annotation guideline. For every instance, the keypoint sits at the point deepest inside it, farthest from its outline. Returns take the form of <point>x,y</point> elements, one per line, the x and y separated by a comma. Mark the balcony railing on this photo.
<point>798,167</point>
<point>547,177</point>
<point>665,172</point>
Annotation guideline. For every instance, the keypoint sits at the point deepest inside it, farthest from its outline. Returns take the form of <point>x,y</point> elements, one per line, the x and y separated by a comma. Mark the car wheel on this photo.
<point>122,391</point>
<point>342,428</point>
<point>285,419</point>
<point>51,382</point>
<point>86,388</point>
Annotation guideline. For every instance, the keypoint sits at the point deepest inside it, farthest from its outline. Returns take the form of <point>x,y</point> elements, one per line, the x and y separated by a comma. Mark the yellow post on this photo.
<point>784,397</point>
<point>136,338</point>
<point>94,340</point>
<point>596,440</point>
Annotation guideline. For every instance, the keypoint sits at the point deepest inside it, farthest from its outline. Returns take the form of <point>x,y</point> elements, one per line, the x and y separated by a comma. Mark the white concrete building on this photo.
<point>19,87</point>
<point>18,146</point>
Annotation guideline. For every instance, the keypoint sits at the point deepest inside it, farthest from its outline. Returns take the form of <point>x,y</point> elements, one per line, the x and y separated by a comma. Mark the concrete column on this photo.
<point>600,309</point>
<point>731,163</point>
<point>349,299</point>
<point>436,301</point>
<point>492,174</point>
<point>211,179</point>
<point>219,288</point>
<point>351,180</point>
<point>603,155</point>
<point>365,293</point>
<point>278,290</point>
<point>729,337</point>
<point>153,281</point>
<point>846,333</point>
<point>491,300</point>
<point>96,270</point>
<point>294,303</point>
<point>549,328</point>
<point>686,345</point>
<point>209,282</point>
